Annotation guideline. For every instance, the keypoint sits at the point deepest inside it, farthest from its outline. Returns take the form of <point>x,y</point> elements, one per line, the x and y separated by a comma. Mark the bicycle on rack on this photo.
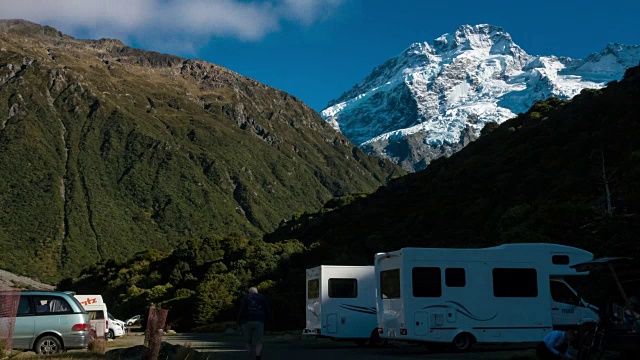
<point>611,282</point>
<point>591,342</point>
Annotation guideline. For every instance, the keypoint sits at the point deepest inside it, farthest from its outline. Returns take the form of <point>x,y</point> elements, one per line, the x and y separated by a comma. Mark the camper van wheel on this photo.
<point>48,345</point>
<point>111,335</point>
<point>463,342</point>
<point>375,340</point>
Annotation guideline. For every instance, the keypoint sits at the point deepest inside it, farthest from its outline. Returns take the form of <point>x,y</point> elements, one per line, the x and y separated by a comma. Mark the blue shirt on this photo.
<point>254,308</point>
<point>553,340</point>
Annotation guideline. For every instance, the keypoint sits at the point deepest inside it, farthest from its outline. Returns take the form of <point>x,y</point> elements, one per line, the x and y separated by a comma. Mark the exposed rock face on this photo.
<point>430,100</point>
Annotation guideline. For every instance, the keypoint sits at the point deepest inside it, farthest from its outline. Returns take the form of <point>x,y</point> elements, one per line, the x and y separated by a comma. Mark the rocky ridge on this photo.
<point>435,98</point>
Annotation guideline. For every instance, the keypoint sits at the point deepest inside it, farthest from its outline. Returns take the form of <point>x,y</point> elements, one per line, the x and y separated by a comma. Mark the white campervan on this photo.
<point>341,304</point>
<point>503,294</point>
<point>97,310</point>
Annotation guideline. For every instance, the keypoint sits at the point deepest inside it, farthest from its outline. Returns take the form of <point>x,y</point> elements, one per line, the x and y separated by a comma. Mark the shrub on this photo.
<point>98,346</point>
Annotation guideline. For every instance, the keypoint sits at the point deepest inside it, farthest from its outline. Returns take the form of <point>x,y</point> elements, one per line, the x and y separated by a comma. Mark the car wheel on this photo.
<point>48,345</point>
<point>462,342</point>
<point>111,335</point>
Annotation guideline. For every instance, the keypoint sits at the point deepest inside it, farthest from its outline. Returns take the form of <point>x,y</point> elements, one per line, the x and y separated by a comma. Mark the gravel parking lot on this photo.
<point>292,347</point>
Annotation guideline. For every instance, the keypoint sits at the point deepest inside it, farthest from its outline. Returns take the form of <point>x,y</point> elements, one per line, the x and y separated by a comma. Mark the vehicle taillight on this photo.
<point>81,327</point>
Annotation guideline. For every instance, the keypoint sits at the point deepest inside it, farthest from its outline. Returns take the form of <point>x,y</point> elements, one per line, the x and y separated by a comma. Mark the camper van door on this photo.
<point>567,309</point>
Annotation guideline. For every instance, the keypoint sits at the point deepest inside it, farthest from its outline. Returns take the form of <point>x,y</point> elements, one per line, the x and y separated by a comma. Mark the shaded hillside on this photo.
<point>535,178</point>
<point>539,177</point>
<point>107,150</point>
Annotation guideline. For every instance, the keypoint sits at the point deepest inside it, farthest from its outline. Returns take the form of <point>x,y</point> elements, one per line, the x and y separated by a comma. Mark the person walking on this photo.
<point>254,311</point>
<point>555,345</point>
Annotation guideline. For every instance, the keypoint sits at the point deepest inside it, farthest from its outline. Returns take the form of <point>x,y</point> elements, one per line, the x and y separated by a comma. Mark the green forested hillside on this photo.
<point>565,172</point>
<point>541,177</point>
<point>106,151</point>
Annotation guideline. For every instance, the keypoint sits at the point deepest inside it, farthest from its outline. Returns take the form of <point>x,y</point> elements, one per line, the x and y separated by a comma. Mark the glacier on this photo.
<point>434,98</point>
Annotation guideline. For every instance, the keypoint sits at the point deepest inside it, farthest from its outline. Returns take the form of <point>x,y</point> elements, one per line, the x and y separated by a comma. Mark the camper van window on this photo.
<point>515,282</point>
<point>390,284</point>
<point>561,293</point>
<point>560,259</point>
<point>313,291</point>
<point>426,281</point>
<point>343,288</point>
<point>96,314</point>
<point>455,277</point>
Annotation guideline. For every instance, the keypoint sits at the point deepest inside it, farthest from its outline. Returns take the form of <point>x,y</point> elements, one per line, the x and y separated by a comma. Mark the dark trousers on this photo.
<point>545,354</point>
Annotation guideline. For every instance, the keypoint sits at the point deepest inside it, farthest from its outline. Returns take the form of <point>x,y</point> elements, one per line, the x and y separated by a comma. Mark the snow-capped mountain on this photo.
<point>433,99</point>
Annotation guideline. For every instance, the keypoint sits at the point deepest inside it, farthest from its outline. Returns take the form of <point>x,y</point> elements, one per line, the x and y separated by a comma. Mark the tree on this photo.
<point>215,295</point>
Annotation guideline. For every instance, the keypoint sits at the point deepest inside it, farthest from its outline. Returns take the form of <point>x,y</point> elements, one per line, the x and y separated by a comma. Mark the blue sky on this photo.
<point>317,49</point>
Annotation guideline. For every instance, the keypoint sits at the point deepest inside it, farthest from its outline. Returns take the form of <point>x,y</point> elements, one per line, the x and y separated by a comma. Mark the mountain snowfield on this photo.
<point>433,99</point>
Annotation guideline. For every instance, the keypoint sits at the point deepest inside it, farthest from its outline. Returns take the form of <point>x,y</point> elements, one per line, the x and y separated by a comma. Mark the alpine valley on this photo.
<point>106,151</point>
<point>433,99</point>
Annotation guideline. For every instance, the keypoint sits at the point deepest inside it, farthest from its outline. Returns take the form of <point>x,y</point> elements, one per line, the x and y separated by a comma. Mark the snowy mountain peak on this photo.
<point>432,99</point>
<point>419,48</point>
<point>468,37</point>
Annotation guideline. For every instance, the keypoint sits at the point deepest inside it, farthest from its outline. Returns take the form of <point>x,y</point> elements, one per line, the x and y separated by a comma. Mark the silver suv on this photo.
<point>48,322</point>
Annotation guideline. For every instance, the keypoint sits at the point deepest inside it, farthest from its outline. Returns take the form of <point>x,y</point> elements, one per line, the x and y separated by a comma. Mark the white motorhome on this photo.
<point>341,304</point>
<point>504,294</point>
<point>98,314</point>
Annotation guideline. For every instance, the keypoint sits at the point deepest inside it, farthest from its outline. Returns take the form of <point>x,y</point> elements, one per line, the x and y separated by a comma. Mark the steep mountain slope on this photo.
<point>544,176</point>
<point>433,99</point>
<point>540,177</point>
<point>107,150</point>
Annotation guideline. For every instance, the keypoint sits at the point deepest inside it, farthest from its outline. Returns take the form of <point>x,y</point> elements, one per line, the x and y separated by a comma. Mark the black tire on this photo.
<point>375,340</point>
<point>48,345</point>
<point>462,342</point>
<point>111,335</point>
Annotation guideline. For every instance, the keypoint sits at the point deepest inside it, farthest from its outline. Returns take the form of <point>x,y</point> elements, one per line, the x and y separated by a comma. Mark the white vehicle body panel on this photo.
<point>117,326</point>
<point>463,299</point>
<point>94,303</point>
<point>330,314</point>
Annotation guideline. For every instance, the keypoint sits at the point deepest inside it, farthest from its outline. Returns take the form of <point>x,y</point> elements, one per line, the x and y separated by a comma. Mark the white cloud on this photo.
<point>149,20</point>
<point>308,11</point>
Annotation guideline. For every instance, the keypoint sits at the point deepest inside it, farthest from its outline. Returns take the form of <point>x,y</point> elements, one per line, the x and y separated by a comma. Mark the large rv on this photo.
<point>503,294</point>
<point>341,304</point>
